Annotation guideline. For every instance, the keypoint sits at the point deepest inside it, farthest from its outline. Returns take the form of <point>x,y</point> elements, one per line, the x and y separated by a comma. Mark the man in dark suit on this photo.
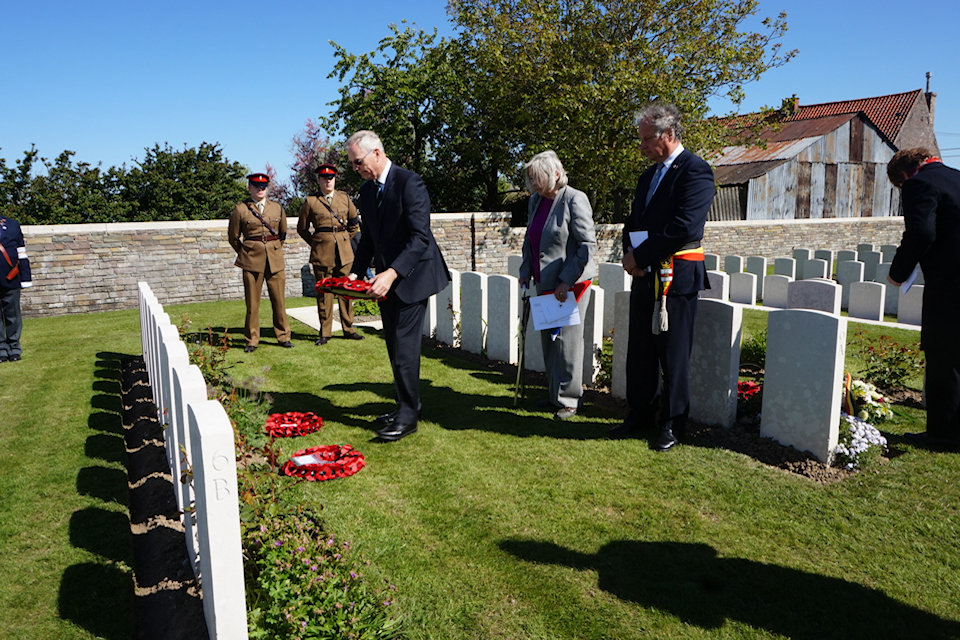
<point>396,236</point>
<point>670,204</point>
<point>14,276</point>
<point>931,237</point>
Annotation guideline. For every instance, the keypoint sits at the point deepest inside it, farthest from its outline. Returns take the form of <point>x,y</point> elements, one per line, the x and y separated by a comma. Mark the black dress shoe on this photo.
<point>353,336</point>
<point>321,341</point>
<point>396,430</point>
<point>385,419</point>
<point>3,358</point>
<point>15,357</point>
<point>250,348</point>
<point>287,345</point>
<point>665,441</point>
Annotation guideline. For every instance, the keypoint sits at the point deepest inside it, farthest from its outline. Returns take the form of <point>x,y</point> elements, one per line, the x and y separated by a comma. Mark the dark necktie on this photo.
<point>379,194</point>
<point>654,182</point>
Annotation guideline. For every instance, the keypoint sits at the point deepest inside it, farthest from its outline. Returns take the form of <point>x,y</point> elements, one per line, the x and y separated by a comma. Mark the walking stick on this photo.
<point>524,318</point>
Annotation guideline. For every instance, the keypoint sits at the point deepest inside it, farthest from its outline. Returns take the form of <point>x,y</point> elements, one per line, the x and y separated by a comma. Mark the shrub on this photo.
<point>887,363</point>
<point>304,585</point>
<point>860,444</point>
<point>753,350</point>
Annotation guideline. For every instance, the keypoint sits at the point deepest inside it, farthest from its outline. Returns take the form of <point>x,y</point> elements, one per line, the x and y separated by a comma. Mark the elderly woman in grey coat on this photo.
<point>558,257</point>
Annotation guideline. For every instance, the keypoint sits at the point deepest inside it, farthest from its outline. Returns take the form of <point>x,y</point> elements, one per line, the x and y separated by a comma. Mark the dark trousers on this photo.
<point>402,329</point>
<point>658,366</point>
<point>12,322</point>
<point>942,355</point>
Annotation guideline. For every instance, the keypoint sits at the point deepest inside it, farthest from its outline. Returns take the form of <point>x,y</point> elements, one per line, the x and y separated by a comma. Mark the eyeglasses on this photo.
<point>359,162</point>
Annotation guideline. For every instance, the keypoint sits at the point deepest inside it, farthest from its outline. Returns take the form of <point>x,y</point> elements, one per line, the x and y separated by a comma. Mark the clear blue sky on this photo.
<point>107,79</point>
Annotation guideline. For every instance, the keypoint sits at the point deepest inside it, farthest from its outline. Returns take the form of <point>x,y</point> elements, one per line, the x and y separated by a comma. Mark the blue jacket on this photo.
<point>11,238</point>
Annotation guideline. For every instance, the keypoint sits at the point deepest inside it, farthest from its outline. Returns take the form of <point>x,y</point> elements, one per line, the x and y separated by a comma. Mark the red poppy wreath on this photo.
<point>293,423</point>
<point>356,289</point>
<point>324,463</point>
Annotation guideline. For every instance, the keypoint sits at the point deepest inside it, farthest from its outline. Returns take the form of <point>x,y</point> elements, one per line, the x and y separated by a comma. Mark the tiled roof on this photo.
<point>888,113</point>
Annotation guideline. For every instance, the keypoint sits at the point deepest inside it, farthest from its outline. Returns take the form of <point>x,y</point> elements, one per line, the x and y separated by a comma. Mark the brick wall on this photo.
<point>96,267</point>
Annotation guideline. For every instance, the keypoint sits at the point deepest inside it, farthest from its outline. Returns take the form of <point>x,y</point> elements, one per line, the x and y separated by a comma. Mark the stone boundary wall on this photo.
<point>96,267</point>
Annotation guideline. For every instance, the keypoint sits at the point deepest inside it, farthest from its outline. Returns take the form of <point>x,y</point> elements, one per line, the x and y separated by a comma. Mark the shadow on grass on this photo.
<point>690,582</point>
<point>98,596</point>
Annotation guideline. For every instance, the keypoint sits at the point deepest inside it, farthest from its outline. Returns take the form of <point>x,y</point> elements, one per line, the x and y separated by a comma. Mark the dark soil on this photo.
<point>167,604</point>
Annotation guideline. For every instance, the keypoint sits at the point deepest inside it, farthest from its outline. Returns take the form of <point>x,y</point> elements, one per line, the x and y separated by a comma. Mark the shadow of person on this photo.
<point>690,581</point>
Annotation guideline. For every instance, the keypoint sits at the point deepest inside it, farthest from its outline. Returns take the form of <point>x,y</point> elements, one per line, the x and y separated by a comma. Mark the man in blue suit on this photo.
<point>671,204</point>
<point>14,276</point>
<point>395,235</point>
<point>931,238</point>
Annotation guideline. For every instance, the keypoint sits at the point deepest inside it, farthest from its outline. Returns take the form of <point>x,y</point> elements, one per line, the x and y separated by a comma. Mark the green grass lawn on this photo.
<point>491,522</point>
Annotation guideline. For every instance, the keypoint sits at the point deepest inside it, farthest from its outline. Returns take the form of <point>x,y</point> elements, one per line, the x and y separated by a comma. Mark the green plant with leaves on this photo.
<point>888,363</point>
<point>605,360</point>
<point>305,585</point>
<point>366,308</point>
<point>753,350</point>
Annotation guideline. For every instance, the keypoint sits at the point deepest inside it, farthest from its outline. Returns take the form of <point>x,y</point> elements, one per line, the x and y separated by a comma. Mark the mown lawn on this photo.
<point>491,522</point>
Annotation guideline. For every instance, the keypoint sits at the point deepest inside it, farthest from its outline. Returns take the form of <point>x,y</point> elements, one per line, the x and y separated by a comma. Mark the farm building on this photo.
<point>820,161</point>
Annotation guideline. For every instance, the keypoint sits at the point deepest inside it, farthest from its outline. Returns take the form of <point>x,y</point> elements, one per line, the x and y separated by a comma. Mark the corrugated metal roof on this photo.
<point>741,173</point>
<point>888,113</point>
<point>784,144</point>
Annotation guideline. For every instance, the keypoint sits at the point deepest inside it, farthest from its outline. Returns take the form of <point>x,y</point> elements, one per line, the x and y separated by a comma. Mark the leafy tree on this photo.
<point>523,76</point>
<point>192,184</point>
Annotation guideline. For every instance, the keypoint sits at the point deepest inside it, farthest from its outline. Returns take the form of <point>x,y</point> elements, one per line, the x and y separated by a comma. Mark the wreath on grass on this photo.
<point>324,463</point>
<point>347,288</point>
<point>293,423</point>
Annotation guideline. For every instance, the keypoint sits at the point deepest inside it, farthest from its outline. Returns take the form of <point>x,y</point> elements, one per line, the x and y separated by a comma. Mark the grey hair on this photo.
<point>542,170</point>
<point>662,117</point>
<point>366,140</point>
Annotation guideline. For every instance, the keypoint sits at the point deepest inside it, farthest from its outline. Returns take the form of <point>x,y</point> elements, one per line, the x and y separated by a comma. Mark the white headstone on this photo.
<point>785,267</point>
<point>502,310</point>
<point>848,272</point>
<point>801,256</point>
<point>802,380</point>
<point>775,289</point>
<point>430,317</point>
<point>866,300</point>
<point>870,260</point>
<point>827,256</point>
<point>743,288</point>
<point>711,261</point>
<point>864,246</point>
<point>513,265</point>
<point>757,265</point>
<point>473,311</point>
<point>719,286</point>
<point>593,334</point>
<point>814,268</point>
<point>448,311</point>
<point>845,254</point>
<point>891,300</point>
<point>715,362</point>
<point>888,251</point>
<point>816,294</point>
<point>612,279</point>
<point>733,264</point>
<point>910,309</point>
<point>218,520</point>
<point>621,341</point>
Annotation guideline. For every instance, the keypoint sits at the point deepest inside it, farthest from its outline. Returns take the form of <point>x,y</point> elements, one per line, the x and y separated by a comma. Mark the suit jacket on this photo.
<point>245,233</point>
<point>674,219</point>
<point>931,237</point>
<point>568,242</point>
<point>11,237</point>
<point>327,245</point>
<point>397,234</point>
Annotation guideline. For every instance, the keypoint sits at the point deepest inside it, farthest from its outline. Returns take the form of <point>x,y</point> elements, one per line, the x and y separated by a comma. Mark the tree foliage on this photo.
<point>168,184</point>
<point>523,76</point>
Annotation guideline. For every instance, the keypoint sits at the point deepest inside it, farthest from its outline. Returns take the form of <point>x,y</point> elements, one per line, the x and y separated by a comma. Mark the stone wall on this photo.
<point>96,267</point>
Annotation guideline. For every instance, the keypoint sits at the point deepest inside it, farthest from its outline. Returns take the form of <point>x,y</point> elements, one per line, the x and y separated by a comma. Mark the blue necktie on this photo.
<point>654,183</point>
<point>379,194</point>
